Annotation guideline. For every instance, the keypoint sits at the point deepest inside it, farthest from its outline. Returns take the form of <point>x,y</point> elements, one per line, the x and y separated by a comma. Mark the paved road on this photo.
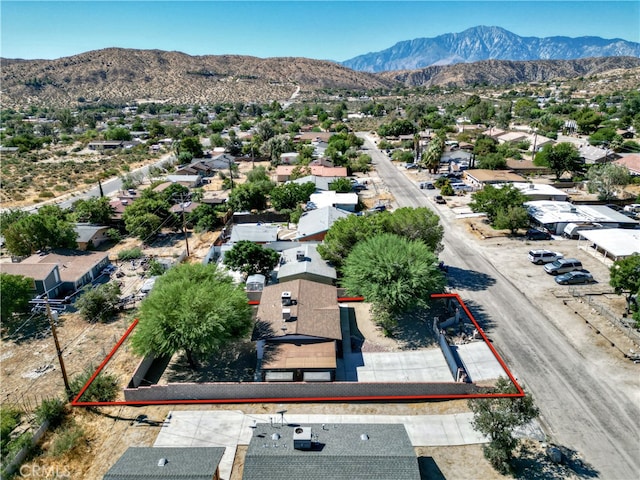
<point>581,407</point>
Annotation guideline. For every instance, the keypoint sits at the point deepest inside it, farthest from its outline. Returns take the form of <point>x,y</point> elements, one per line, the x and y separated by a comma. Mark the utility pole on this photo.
<point>184,222</point>
<point>52,319</point>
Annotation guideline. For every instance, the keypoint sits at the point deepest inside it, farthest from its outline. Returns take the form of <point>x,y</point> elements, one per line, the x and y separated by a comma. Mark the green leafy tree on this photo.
<point>93,210</point>
<point>258,174</point>
<point>588,120</point>
<point>15,291</point>
<point>560,158</point>
<point>249,196</point>
<point>9,217</point>
<point>496,201</point>
<point>192,308</point>
<point>48,228</point>
<point>607,180</point>
<point>447,190</point>
<point>497,418</point>
<point>204,218</point>
<point>99,304</point>
<point>289,195</point>
<point>625,278</point>
<point>393,273</point>
<point>512,218</point>
<point>345,233</point>
<point>145,217</point>
<point>192,146</point>
<point>250,258</point>
<point>415,224</point>
<point>492,161</point>
<point>341,185</point>
<point>118,133</point>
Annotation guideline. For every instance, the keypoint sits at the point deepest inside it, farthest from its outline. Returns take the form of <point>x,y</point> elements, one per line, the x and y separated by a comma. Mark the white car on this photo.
<point>540,257</point>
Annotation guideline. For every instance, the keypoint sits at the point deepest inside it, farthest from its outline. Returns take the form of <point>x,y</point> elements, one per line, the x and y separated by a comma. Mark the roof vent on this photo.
<point>275,436</point>
<point>162,462</point>
<point>364,437</point>
<point>302,438</point>
<point>286,314</point>
<point>286,299</point>
<point>300,256</point>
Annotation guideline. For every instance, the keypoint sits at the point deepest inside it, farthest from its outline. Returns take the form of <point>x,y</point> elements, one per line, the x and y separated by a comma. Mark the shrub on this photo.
<point>130,254</point>
<point>104,387</point>
<point>52,410</point>
<point>66,440</point>
<point>99,304</point>
<point>9,419</point>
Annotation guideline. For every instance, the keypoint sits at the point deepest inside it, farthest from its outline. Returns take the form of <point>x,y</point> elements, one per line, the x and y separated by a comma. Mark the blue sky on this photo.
<point>332,30</point>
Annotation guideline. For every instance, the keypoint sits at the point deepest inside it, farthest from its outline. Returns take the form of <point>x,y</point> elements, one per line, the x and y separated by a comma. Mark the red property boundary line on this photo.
<point>520,392</point>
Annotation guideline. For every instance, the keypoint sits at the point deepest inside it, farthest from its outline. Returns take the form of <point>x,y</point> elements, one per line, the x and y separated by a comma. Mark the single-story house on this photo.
<point>298,331</point>
<point>555,216</point>
<point>90,236</point>
<point>45,276</point>
<point>631,162</point>
<point>189,181</point>
<point>590,154</point>
<point>380,451</point>
<point>542,191</point>
<point>538,141</point>
<point>494,132</point>
<point>167,463</point>
<point>186,207</point>
<point>313,136</point>
<point>613,243</point>
<point>512,137</point>
<point>220,161</point>
<point>524,166</point>
<point>289,158</point>
<point>321,183</point>
<point>305,263</point>
<point>283,172</point>
<point>254,232</point>
<point>481,177</point>
<point>60,271</point>
<point>314,224</point>
<point>105,145</point>
<point>331,198</point>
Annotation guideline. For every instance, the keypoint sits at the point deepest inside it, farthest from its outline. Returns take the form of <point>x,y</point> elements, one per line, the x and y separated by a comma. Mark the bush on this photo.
<point>66,440</point>
<point>104,387</point>
<point>130,254</point>
<point>9,419</point>
<point>52,410</point>
<point>99,304</point>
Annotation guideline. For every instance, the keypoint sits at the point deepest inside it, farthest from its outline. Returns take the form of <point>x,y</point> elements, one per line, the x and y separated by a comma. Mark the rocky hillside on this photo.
<point>487,43</point>
<point>501,72</point>
<point>117,75</point>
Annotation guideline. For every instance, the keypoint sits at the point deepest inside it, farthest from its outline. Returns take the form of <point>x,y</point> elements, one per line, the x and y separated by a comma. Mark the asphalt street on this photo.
<point>581,407</point>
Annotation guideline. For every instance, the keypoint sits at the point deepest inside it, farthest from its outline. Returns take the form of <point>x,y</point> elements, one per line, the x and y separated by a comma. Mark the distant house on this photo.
<point>186,207</point>
<point>298,332</point>
<point>254,232</point>
<point>331,198</point>
<point>321,183</point>
<point>60,271</point>
<point>289,158</point>
<point>494,132</point>
<point>314,224</point>
<point>590,154</point>
<point>630,162</point>
<point>283,172</point>
<point>379,451</point>
<point>305,263</point>
<point>512,137</point>
<point>167,463</point>
<point>90,236</point>
<point>479,177</point>
<point>541,191</point>
<point>189,181</point>
<point>105,145</point>
<point>45,276</point>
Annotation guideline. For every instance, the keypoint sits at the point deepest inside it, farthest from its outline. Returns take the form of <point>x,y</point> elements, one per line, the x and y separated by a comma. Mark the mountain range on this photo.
<point>487,43</point>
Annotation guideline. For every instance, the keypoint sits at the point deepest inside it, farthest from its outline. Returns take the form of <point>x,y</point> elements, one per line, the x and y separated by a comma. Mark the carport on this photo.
<point>610,243</point>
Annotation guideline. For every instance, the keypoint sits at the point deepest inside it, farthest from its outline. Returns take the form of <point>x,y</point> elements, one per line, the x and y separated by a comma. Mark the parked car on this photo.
<point>358,187</point>
<point>409,166</point>
<point>543,256</point>
<point>535,234</point>
<point>440,199</point>
<point>563,265</point>
<point>427,185</point>
<point>577,277</point>
<point>377,208</point>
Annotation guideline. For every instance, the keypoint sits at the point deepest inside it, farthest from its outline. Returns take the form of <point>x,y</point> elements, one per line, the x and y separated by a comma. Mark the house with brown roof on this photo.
<point>298,332</point>
<point>481,177</point>
<point>283,172</point>
<point>630,162</point>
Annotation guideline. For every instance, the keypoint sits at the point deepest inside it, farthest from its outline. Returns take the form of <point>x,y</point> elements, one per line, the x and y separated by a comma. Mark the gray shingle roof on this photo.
<point>320,220</point>
<point>312,264</point>
<point>193,463</point>
<point>340,453</point>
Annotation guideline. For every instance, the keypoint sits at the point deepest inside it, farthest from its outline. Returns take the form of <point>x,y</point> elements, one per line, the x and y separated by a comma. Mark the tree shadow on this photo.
<point>23,329</point>
<point>535,464</point>
<point>236,362</point>
<point>415,328</point>
<point>461,279</point>
<point>429,469</point>
<point>479,314</point>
